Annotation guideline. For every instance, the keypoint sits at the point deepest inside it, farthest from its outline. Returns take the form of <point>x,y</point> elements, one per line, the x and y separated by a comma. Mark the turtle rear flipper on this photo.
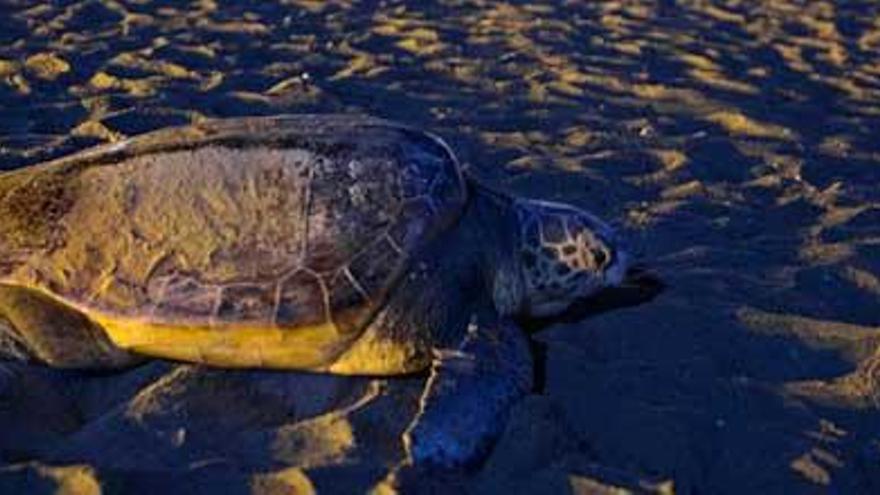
<point>468,396</point>
<point>35,327</point>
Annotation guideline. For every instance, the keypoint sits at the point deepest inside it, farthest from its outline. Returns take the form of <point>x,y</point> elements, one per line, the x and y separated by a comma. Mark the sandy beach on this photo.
<point>736,145</point>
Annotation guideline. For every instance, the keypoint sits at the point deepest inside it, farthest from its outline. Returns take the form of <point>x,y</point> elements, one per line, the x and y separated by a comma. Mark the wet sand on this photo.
<point>736,143</point>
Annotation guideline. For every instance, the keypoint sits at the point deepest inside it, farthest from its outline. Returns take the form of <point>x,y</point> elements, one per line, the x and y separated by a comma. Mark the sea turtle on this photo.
<point>328,243</point>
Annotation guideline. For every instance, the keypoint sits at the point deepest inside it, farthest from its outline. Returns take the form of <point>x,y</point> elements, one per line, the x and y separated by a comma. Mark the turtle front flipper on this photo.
<point>469,394</point>
<point>35,327</point>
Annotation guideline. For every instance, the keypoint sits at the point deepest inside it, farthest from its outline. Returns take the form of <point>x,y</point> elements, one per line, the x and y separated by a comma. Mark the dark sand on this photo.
<point>737,142</point>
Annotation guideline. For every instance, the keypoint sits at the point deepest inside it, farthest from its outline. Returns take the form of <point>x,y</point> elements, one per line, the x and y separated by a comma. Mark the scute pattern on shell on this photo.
<point>280,221</point>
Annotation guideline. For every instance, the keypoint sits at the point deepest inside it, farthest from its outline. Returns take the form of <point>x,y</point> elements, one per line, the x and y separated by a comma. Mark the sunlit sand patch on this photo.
<point>647,215</point>
<point>18,83</point>
<point>858,390</point>
<point>316,442</point>
<point>669,161</point>
<point>290,480</point>
<point>841,215</point>
<point>317,6</point>
<point>556,79</point>
<point>683,97</point>
<point>739,124</point>
<point>584,485</point>
<point>47,66</point>
<point>103,81</point>
<point>810,466</point>
<point>782,167</point>
<point>707,71</point>
<point>682,191</point>
<point>202,50</point>
<point>239,27</point>
<point>863,279</point>
<point>855,342</point>
<point>579,137</point>
<point>818,253</point>
<point>838,146</point>
<point>8,68</point>
<point>516,139</point>
<point>421,42</point>
<point>360,64</point>
<point>295,88</point>
<point>168,69</point>
<point>722,81</point>
<point>570,151</point>
<point>322,440</point>
<point>468,71</point>
<point>91,128</point>
<point>698,61</point>
<point>870,39</point>
<point>670,158</point>
<point>72,479</point>
<point>718,13</point>
<point>413,35</point>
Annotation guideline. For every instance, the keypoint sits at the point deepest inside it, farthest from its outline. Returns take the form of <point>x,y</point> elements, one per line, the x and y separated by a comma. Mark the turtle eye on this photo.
<point>600,256</point>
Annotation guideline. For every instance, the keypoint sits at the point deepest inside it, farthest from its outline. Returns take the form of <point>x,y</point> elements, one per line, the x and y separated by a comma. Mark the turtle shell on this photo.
<point>265,241</point>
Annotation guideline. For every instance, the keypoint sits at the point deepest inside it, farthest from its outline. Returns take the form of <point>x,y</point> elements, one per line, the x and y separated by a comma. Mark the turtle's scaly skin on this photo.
<point>250,242</point>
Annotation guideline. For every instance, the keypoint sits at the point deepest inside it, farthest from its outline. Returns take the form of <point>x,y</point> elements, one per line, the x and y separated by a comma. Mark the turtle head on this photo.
<point>565,254</point>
